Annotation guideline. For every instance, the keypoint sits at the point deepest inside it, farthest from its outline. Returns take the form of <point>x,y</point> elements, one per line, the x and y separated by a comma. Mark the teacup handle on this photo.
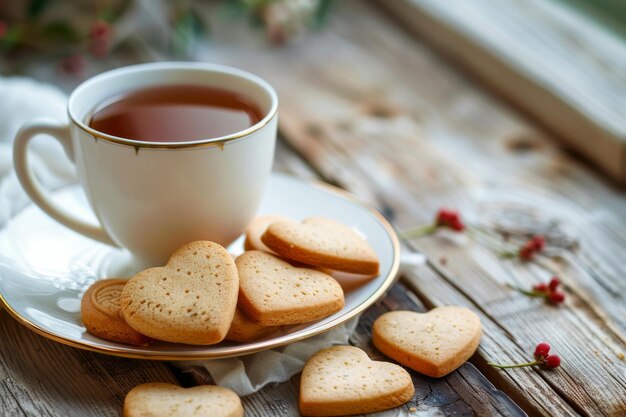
<point>36,192</point>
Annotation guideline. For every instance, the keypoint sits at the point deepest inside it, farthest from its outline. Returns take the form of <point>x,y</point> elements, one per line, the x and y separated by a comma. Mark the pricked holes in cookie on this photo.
<point>188,272</point>
<point>187,291</point>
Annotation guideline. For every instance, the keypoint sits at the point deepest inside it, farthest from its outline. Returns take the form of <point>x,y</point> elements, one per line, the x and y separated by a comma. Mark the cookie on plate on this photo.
<point>257,227</point>
<point>322,242</point>
<point>244,330</point>
<point>167,400</point>
<point>100,311</point>
<point>273,292</point>
<point>342,380</point>
<point>190,300</point>
<point>434,343</point>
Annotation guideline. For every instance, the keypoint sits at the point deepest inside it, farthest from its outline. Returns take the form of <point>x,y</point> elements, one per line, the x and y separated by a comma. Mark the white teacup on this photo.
<point>152,197</point>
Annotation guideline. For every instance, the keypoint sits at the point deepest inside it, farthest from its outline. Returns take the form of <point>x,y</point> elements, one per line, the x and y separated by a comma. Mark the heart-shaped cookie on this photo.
<point>190,300</point>
<point>274,292</point>
<point>342,380</point>
<point>100,311</point>
<point>244,330</point>
<point>322,242</point>
<point>257,227</point>
<point>167,400</point>
<point>433,343</point>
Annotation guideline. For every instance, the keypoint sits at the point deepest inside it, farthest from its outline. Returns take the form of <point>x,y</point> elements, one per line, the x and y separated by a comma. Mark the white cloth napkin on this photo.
<point>23,100</point>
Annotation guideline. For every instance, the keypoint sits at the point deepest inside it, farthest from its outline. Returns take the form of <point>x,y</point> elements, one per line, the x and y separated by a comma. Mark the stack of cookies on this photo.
<point>288,275</point>
<point>202,296</point>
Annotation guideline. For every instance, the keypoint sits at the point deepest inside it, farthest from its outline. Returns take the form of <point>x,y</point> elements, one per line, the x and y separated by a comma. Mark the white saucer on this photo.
<point>45,268</point>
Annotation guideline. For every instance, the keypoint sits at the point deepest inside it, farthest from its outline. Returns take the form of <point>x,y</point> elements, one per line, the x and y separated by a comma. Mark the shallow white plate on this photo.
<point>45,268</point>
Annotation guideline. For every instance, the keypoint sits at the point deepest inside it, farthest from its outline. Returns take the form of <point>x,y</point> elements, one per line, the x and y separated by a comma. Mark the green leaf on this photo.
<point>36,7</point>
<point>59,31</point>
<point>11,39</point>
<point>321,14</point>
<point>188,27</point>
<point>108,15</point>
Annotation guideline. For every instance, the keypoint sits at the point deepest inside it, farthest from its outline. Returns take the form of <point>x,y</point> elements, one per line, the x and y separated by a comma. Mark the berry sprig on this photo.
<point>445,219</point>
<point>549,292</point>
<point>100,35</point>
<point>542,358</point>
<point>528,250</point>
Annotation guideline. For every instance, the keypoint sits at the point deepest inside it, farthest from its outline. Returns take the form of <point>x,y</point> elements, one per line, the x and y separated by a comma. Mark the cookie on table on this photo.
<point>273,292</point>
<point>100,311</point>
<point>244,330</point>
<point>190,300</point>
<point>343,380</point>
<point>323,243</point>
<point>257,227</point>
<point>434,343</point>
<point>167,400</point>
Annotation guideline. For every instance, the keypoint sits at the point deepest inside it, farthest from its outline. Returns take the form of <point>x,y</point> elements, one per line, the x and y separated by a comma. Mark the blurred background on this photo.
<point>561,62</point>
<point>79,38</point>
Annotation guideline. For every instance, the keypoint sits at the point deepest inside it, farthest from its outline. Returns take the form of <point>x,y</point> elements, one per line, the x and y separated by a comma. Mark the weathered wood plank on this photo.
<point>39,377</point>
<point>383,117</point>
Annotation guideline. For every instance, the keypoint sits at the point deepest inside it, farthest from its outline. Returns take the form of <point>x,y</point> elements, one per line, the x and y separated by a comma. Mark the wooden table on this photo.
<point>366,106</point>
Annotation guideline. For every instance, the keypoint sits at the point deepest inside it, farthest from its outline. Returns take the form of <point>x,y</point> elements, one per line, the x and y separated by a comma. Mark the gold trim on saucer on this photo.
<point>253,347</point>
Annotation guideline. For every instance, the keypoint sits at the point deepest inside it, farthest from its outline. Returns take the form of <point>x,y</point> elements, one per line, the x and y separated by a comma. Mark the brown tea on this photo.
<point>175,113</point>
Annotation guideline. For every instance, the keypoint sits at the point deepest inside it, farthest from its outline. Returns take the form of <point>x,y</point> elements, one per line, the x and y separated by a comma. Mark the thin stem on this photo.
<point>419,231</point>
<point>517,365</point>
<point>508,254</point>
<point>532,293</point>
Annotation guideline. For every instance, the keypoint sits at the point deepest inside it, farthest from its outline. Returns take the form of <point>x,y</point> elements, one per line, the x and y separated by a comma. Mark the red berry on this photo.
<point>444,216</point>
<point>72,65</point>
<point>538,243</point>
<point>553,361</point>
<point>100,30</point>
<point>527,252</point>
<point>554,283</point>
<point>540,287</point>
<point>449,218</point>
<point>542,350</point>
<point>3,28</point>
<point>556,297</point>
<point>457,225</point>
